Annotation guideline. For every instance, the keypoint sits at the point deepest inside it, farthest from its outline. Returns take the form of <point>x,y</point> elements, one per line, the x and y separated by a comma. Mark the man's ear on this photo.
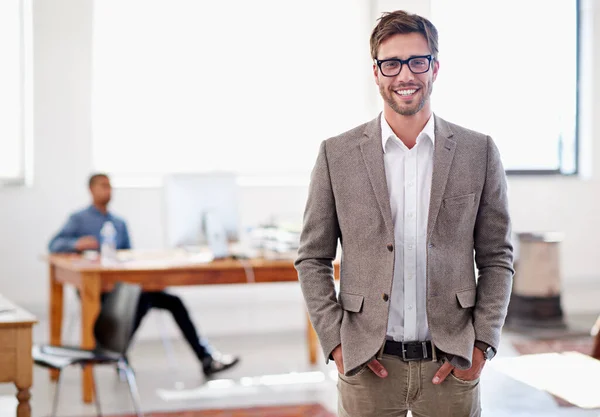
<point>436,68</point>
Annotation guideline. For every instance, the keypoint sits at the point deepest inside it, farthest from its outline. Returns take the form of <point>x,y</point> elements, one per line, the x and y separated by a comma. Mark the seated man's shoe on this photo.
<point>218,362</point>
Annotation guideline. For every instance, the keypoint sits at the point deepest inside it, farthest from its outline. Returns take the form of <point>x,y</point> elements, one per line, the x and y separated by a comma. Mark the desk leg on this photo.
<point>313,341</point>
<point>596,350</point>
<point>90,307</point>
<point>23,408</point>
<point>56,313</point>
<point>24,366</point>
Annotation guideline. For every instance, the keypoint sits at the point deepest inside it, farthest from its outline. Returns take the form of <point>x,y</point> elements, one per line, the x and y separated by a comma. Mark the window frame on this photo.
<point>25,98</point>
<point>559,172</point>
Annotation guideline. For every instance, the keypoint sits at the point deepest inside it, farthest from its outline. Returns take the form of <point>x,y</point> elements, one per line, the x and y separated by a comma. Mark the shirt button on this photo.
<point>390,247</point>
<point>410,183</point>
<point>410,214</point>
<point>410,247</point>
<point>410,307</point>
<point>410,276</point>
<point>385,297</point>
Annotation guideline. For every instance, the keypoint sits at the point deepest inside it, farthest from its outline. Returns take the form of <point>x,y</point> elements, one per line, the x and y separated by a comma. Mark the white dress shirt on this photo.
<point>408,174</point>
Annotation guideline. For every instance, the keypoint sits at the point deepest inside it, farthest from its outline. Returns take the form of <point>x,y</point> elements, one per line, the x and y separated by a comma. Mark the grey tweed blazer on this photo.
<point>468,221</point>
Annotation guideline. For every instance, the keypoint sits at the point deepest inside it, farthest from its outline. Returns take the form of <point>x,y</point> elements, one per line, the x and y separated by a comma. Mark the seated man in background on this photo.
<point>82,232</point>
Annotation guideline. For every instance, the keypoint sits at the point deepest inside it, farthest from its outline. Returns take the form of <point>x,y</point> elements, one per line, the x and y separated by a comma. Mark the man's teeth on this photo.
<point>405,92</point>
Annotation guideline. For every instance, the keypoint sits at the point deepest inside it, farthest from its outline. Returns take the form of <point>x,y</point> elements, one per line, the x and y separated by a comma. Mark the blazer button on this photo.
<point>385,297</point>
<point>390,247</point>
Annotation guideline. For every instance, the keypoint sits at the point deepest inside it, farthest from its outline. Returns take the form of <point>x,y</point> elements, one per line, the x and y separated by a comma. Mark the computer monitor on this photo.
<point>197,204</point>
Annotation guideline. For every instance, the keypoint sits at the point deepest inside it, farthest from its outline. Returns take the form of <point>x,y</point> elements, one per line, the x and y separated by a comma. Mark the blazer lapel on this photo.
<point>442,160</point>
<point>372,152</point>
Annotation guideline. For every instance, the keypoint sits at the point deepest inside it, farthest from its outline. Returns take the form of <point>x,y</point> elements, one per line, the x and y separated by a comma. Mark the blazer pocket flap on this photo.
<point>466,298</point>
<point>351,302</point>
<point>462,199</point>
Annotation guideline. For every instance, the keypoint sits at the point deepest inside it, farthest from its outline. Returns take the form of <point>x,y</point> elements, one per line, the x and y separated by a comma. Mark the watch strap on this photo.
<point>485,348</point>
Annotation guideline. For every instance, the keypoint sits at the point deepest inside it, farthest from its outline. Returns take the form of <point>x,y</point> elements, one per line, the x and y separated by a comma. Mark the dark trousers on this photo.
<point>172,303</point>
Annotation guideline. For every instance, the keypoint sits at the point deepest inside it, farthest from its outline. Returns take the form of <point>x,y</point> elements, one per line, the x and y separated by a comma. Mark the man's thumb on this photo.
<point>378,368</point>
<point>442,373</point>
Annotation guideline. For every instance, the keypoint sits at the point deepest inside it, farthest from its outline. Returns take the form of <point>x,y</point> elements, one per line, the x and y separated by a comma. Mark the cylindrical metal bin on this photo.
<point>535,299</point>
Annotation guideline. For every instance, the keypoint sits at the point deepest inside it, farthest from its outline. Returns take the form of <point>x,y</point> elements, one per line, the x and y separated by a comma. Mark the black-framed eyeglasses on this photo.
<point>392,67</point>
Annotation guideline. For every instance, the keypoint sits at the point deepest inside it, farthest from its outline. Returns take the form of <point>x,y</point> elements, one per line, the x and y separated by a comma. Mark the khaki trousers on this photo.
<point>408,386</point>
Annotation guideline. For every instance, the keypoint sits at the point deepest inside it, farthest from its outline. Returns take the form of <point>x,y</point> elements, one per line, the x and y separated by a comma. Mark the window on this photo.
<point>15,41</point>
<point>509,69</point>
<point>250,87</point>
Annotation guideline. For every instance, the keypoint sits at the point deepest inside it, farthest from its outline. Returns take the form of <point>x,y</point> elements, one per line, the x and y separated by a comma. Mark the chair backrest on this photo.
<point>114,324</point>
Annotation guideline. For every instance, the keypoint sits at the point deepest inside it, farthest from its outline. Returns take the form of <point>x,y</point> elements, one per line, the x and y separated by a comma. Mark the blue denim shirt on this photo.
<point>88,222</point>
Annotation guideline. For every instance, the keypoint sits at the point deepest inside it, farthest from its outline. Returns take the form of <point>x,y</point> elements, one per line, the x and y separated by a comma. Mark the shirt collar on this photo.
<point>387,132</point>
<point>92,209</point>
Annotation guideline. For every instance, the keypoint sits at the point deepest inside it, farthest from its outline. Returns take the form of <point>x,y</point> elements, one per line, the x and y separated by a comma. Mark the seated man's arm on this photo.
<point>126,240</point>
<point>66,239</point>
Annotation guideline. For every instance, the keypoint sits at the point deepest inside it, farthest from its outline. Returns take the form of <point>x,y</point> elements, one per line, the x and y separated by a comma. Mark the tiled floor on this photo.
<point>274,370</point>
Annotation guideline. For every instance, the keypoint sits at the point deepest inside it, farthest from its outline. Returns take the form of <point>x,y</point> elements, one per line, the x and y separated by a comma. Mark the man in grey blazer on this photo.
<point>415,202</point>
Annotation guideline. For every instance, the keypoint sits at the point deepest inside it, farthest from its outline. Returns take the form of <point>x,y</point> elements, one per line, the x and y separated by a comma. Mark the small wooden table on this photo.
<point>154,271</point>
<point>16,362</point>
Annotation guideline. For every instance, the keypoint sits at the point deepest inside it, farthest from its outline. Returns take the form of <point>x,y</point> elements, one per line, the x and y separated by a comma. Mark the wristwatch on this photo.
<point>488,351</point>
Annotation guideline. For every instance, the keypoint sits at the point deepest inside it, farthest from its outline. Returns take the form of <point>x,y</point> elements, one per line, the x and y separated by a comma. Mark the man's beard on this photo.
<point>388,96</point>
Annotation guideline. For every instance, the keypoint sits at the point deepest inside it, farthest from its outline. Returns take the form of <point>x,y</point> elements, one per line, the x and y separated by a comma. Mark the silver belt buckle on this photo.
<point>404,358</point>
<point>423,346</point>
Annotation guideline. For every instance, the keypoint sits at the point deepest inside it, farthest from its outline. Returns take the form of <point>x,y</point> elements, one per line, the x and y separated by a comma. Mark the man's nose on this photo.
<point>405,74</point>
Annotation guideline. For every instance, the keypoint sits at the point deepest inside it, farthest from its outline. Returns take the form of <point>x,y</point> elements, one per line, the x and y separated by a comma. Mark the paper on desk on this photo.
<point>191,259</point>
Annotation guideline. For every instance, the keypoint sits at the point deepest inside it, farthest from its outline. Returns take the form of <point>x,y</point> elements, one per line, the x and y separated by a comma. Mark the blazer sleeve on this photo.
<point>317,250</point>
<point>493,252</point>
<point>65,239</point>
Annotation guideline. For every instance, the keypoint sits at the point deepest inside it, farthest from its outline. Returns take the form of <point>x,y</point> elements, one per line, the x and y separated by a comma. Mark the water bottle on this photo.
<point>108,245</point>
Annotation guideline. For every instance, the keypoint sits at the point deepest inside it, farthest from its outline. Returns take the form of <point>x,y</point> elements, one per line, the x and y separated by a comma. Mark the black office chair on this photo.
<point>112,331</point>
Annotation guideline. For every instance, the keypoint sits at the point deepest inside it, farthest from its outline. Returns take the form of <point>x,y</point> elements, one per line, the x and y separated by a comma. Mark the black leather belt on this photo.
<point>410,351</point>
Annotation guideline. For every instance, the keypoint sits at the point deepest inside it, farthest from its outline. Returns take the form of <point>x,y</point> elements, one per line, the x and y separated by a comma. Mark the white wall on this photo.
<point>62,129</point>
<point>62,133</point>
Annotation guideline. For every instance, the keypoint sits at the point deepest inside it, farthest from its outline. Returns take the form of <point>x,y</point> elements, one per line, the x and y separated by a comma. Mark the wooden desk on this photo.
<point>154,272</point>
<point>16,363</point>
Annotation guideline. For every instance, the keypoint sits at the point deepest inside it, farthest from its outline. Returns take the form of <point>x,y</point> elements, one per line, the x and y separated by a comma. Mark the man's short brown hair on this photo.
<point>401,22</point>
<point>96,176</point>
